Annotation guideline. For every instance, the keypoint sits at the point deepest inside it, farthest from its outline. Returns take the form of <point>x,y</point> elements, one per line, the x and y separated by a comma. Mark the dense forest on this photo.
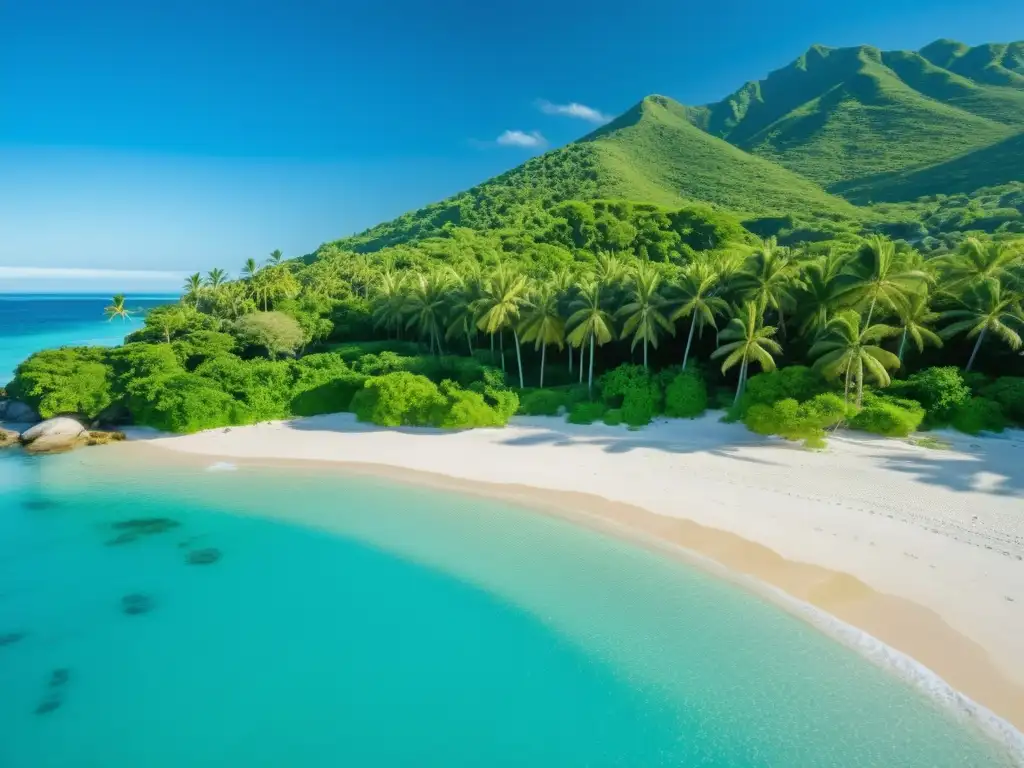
<point>677,259</point>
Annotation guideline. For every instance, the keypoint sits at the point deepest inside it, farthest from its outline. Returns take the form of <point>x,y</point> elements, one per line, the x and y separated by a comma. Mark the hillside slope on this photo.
<point>843,116</point>
<point>651,153</point>
<point>1000,163</point>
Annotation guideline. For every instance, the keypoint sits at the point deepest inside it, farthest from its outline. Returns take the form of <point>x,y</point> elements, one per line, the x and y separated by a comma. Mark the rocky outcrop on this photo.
<point>203,556</point>
<point>54,436</point>
<point>8,438</point>
<point>17,412</point>
<point>135,604</point>
<point>96,437</point>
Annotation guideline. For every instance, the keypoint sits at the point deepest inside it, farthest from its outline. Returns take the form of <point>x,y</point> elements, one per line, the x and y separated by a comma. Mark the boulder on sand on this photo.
<point>18,413</point>
<point>54,435</point>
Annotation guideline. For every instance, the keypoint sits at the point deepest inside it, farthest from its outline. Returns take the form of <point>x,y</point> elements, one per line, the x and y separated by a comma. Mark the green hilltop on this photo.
<point>807,150</point>
<point>842,116</point>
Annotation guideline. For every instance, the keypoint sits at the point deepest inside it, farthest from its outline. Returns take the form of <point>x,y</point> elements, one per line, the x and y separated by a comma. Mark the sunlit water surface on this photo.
<point>354,621</point>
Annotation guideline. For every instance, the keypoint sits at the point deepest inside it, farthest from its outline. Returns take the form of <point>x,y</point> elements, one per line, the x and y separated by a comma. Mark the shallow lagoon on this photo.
<point>352,620</point>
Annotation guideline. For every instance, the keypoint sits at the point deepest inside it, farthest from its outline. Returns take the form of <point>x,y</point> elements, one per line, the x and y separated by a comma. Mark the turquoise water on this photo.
<point>354,621</point>
<point>31,322</point>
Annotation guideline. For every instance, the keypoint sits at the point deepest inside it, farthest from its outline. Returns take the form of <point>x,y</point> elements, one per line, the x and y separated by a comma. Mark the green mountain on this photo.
<point>846,116</point>
<point>651,153</point>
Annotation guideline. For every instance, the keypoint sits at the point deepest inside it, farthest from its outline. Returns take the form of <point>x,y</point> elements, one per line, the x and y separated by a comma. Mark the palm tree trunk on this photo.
<point>581,363</point>
<point>569,347</point>
<point>543,354</point>
<point>977,346</point>
<point>739,386</point>
<point>871,311</point>
<point>519,358</point>
<point>492,347</point>
<point>645,353</point>
<point>689,341</point>
<point>903,341</point>
<point>590,376</point>
<point>501,349</point>
<point>860,383</point>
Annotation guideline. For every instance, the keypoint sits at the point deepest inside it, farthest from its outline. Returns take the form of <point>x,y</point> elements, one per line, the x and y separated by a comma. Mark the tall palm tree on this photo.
<point>878,274</point>
<point>542,323</point>
<point>563,280</point>
<point>846,348</point>
<point>117,309</point>
<point>466,292</point>
<point>589,322</point>
<point>987,307</point>
<point>698,302</point>
<point>426,306</point>
<point>915,318</point>
<point>215,278</point>
<point>609,269</point>
<point>275,257</point>
<point>976,261</point>
<point>498,308</point>
<point>193,290</point>
<point>390,301</point>
<point>768,279</point>
<point>749,340</point>
<point>819,295</point>
<point>250,268</point>
<point>645,311</point>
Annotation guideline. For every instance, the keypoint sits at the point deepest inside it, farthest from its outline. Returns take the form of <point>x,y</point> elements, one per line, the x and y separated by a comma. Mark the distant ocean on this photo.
<point>31,322</point>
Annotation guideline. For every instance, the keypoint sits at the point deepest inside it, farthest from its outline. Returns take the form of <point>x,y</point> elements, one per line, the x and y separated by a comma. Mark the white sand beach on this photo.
<point>922,548</point>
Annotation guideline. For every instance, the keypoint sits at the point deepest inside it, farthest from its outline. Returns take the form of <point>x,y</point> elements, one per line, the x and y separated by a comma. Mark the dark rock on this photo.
<point>10,638</point>
<point>38,504</point>
<point>19,413</point>
<point>48,704</point>
<point>135,604</point>
<point>59,677</point>
<point>145,526</point>
<point>114,415</point>
<point>124,538</point>
<point>9,438</point>
<point>204,556</point>
<point>96,437</point>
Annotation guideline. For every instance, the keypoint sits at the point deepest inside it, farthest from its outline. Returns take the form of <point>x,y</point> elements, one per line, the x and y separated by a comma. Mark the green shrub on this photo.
<point>888,416</point>
<point>185,402</point>
<point>940,391</point>
<point>635,391</point>
<point>586,412</point>
<point>612,417</point>
<point>324,384</point>
<point>398,399</point>
<point>1008,391</point>
<point>797,421</point>
<point>496,393</point>
<point>796,382</point>
<point>73,380</point>
<point>686,396</point>
<point>195,348</point>
<point>263,387</point>
<point>465,409</point>
<point>979,414</point>
<point>352,351</point>
<point>544,402</point>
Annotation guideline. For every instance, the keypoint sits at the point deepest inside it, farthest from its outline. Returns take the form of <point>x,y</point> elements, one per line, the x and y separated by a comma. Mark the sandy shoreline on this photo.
<point>921,548</point>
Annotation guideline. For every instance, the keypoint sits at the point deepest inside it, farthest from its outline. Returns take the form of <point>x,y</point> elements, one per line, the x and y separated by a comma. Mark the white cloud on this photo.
<point>521,139</point>
<point>72,273</point>
<point>573,109</point>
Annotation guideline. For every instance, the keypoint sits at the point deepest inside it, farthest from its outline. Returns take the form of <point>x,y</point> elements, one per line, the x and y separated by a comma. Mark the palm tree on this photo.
<point>426,305</point>
<point>215,278</point>
<point>193,289</point>
<point>698,301</point>
<point>563,281</point>
<point>768,279</point>
<point>117,309</point>
<point>846,349</point>
<point>589,322</point>
<point>462,318</point>
<point>609,270</point>
<point>987,307</point>
<point>877,273</point>
<point>915,318</point>
<point>820,293</point>
<point>275,257</point>
<point>977,261</point>
<point>749,340</point>
<point>498,308</point>
<point>250,268</point>
<point>390,301</point>
<point>542,323</point>
<point>644,315</point>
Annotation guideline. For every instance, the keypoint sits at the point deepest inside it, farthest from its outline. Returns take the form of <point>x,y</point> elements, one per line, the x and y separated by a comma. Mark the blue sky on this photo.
<point>178,136</point>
